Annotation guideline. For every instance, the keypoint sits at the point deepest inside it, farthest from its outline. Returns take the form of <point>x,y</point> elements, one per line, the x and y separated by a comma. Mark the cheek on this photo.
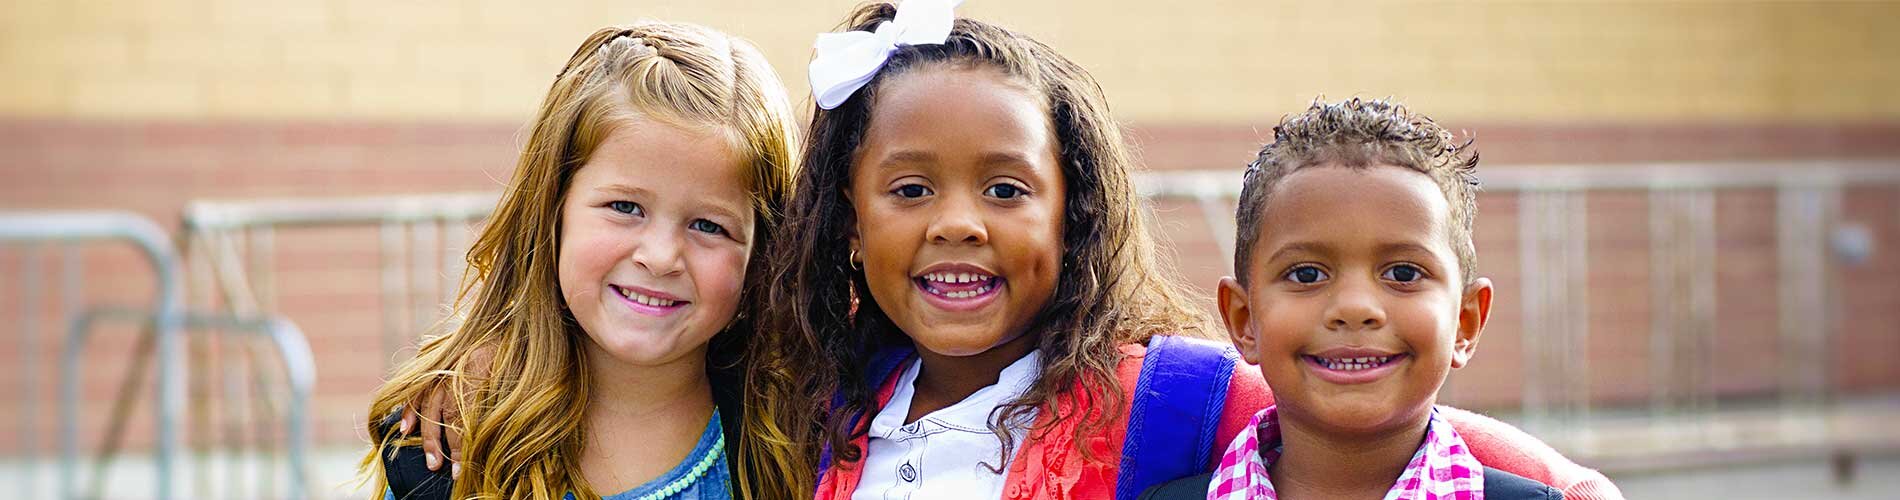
<point>1043,245</point>
<point>719,276</point>
<point>1426,321</point>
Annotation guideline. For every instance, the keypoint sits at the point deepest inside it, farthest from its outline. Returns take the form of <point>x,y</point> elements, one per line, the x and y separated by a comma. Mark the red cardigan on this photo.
<point>1046,466</point>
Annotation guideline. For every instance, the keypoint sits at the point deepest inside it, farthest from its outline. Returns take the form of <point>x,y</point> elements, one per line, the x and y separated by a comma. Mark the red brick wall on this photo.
<point>330,279</point>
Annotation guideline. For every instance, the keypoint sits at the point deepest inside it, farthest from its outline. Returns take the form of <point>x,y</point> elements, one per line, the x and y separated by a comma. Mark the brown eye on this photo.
<point>1004,191</point>
<point>912,191</point>
<point>1305,275</point>
<point>1404,273</point>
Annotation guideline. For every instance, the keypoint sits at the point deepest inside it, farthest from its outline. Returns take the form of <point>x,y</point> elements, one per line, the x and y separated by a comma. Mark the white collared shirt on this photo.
<point>942,455</point>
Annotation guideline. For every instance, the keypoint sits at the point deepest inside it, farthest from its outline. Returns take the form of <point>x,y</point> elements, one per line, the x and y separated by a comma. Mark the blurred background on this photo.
<point>222,221</point>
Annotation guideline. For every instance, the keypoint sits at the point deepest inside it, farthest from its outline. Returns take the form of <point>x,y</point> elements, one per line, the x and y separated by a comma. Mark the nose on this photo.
<point>1355,307</point>
<point>958,221</point>
<point>659,252</point>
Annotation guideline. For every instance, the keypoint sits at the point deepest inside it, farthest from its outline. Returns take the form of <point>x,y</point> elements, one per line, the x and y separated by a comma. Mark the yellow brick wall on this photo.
<point>1208,61</point>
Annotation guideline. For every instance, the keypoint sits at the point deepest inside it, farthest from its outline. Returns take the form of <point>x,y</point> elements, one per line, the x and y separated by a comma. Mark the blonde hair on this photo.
<point>516,365</point>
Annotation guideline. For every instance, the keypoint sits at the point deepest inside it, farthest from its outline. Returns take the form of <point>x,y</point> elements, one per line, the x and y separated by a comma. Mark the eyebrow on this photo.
<point>1300,247</point>
<point>988,159</point>
<point>1327,250</point>
<point>907,156</point>
<point>1005,157</point>
<point>622,189</point>
<point>1404,247</point>
<point>719,210</point>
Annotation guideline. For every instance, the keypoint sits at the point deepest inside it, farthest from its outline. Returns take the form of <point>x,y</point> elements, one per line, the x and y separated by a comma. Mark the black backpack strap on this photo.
<point>1187,488</point>
<point>1501,485</point>
<point>407,472</point>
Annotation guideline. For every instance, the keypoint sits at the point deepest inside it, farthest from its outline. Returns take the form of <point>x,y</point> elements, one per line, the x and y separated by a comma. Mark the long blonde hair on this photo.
<point>515,365</point>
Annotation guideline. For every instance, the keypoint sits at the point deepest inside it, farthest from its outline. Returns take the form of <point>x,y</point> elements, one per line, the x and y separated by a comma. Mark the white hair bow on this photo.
<point>846,61</point>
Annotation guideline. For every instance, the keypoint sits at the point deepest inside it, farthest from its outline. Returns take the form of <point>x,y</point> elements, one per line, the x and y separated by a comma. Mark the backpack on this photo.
<point>1175,408</point>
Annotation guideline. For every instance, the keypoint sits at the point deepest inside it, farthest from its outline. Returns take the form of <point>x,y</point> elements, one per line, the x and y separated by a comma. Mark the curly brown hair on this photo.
<point>1362,134</point>
<point>1112,291</point>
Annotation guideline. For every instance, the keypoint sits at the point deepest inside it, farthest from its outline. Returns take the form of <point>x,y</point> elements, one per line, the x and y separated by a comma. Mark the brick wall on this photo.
<point>143,105</point>
<point>1223,61</point>
<point>329,277</point>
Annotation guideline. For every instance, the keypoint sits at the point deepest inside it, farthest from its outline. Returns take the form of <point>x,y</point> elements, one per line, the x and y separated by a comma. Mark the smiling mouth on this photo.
<point>958,286</point>
<point>647,300</point>
<point>1353,364</point>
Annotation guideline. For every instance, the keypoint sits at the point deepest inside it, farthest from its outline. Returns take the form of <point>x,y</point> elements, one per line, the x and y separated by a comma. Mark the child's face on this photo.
<point>1355,310</point>
<point>655,232</point>
<point>959,200</point>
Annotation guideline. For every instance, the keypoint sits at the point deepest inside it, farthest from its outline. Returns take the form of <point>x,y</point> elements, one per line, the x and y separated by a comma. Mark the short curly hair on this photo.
<point>1362,134</point>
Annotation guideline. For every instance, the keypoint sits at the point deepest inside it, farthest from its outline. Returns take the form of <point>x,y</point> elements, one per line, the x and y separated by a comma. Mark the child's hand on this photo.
<point>432,411</point>
<point>438,409</point>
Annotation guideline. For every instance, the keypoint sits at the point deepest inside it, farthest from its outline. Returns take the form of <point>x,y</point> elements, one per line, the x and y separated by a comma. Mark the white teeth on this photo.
<point>646,299</point>
<point>966,294</point>
<point>1355,364</point>
<point>955,278</point>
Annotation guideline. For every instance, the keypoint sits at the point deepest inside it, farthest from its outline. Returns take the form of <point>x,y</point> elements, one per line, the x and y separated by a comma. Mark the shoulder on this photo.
<point>410,479</point>
<point>1503,485</point>
<point>405,473</point>
<point>1187,488</point>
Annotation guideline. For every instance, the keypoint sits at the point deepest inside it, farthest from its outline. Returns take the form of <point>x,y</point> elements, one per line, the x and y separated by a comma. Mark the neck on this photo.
<point>620,392</point>
<point>668,404</point>
<point>945,380</point>
<point>1318,462</point>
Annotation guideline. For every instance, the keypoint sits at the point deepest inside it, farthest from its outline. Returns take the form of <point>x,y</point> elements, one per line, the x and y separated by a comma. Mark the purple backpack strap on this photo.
<point>1174,410</point>
<point>882,364</point>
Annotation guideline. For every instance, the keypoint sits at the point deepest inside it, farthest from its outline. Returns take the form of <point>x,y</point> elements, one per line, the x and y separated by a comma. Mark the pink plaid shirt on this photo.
<point>1443,469</point>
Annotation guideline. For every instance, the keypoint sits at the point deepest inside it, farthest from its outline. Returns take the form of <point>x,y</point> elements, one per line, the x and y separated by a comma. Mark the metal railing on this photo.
<point>71,229</point>
<point>1553,235</point>
<point>421,239</point>
<point>166,324</point>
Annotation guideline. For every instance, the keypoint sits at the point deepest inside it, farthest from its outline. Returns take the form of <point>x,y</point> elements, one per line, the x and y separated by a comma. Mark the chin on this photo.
<point>643,351</point>
<point>1364,417</point>
<point>959,342</point>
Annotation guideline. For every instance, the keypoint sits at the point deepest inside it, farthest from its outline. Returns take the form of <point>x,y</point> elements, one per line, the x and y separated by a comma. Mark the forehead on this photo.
<point>949,106</point>
<point>1353,207</point>
<point>701,164</point>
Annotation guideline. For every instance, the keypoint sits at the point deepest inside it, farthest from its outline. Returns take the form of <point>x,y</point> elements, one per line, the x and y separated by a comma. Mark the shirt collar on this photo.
<point>972,412</point>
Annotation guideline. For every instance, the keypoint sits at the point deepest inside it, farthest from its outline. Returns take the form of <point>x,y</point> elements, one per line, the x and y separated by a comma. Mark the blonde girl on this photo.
<point>608,336</point>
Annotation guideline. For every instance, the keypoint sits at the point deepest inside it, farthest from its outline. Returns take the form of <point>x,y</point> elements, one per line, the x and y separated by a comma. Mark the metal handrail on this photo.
<point>292,347</point>
<point>30,227</point>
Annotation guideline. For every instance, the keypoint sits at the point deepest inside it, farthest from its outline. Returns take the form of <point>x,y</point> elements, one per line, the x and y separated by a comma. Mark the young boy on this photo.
<point>1357,294</point>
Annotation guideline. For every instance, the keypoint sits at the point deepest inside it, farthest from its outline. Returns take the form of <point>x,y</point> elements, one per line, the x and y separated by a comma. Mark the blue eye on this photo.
<point>1004,191</point>
<point>706,226</point>
<point>626,207</point>
<point>1403,273</point>
<point>1305,275</point>
<point>912,191</point>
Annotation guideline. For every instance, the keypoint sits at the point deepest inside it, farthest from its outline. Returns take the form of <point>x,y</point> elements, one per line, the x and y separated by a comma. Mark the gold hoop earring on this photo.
<point>856,265</point>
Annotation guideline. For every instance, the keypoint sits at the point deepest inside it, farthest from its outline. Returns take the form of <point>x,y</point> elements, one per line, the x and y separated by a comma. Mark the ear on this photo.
<point>853,241</point>
<point>1473,311</point>
<point>1237,316</point>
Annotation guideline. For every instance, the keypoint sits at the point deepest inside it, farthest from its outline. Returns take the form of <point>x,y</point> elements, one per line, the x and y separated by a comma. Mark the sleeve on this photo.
<point>1499,445</point>
<point>1247,394</point>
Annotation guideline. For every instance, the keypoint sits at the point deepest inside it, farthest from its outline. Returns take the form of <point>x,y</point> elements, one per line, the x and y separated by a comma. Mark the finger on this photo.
<point>432,430</point>
<point>408,422</point>
<point>455,444</point>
